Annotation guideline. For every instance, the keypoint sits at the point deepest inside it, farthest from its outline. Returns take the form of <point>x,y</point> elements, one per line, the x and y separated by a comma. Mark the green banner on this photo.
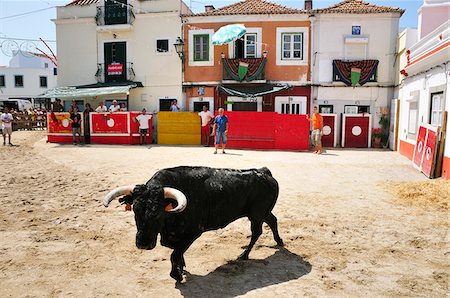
<point>355,76</point>
<point>242,70</point>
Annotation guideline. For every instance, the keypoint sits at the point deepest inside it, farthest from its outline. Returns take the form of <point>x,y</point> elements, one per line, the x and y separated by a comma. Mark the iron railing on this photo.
<point>114,14</point>
<point>102,75</point>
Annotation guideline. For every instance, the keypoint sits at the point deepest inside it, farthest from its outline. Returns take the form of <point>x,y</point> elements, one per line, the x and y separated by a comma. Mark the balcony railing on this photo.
<point>119,74</point>
<point>115,14</point>
<point>256,69</point>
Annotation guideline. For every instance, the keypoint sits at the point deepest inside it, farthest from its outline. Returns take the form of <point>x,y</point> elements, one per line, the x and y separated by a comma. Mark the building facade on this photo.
<point>423,90</point>
<point>108,43</point>
<point>354,38</point>
<point>27,76</point>
<point>274,51</point>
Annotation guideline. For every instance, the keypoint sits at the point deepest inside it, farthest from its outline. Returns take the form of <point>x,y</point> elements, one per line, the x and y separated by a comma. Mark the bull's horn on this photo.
<point>117,192</point>
<point>172,193</point>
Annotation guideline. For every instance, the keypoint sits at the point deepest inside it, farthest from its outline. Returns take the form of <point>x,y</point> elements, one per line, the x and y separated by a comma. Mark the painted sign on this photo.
<point>115,68</point>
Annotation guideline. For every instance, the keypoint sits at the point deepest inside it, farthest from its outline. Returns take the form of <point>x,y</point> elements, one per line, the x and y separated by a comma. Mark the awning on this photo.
<point>74,92</point>
<point>252,91</point>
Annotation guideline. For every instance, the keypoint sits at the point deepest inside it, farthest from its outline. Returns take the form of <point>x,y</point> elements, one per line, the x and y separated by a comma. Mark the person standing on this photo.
<point>317,132</point>
<point>57,106</point>
<point>174,107</point>
<point>87,133</point>
<point>206,117</point>
<point>75,118</point>
<point>143,118</point>
<point>7,120</point>
<point>220,129</point>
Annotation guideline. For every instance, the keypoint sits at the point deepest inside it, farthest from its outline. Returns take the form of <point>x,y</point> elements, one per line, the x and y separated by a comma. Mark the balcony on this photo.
<point>244,69</point>
<point>114,17</point>
<point>114,72</point>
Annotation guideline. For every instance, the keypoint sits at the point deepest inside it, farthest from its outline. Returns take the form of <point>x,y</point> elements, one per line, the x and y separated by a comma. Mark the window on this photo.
<point>2,81</point>
<point>18,81</point>
<point>326,109</point>
<point>201,47</point>
<point>437,108</point>
<point>165,104</point>
<point>162,45</point>
<point>46,65</point>
<point>292,46</point>
<point>55,71</point>
<point>356,30</point>
<point>412,118</point>
<point>43,82</point>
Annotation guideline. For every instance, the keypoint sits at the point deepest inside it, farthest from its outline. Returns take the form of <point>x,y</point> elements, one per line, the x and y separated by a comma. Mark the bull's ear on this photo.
<point>126,200</point>
<point>170,204</point>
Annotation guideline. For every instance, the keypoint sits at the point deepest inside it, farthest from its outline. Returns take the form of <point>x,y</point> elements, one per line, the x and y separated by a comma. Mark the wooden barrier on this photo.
<point>179,128</point>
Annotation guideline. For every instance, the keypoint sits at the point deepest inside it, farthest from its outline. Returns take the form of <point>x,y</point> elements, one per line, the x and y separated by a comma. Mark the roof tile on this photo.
<point>82,2</point>
<point>357,7</point>
<point>251,7</point>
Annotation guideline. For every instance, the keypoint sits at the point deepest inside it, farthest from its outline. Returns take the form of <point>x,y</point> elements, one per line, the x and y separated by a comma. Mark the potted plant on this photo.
<point>376,137</point>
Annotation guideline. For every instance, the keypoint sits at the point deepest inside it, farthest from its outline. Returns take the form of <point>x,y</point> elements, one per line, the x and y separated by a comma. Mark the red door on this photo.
<point>329,138</point>
<point>420,146</point>
<point>356,131</point>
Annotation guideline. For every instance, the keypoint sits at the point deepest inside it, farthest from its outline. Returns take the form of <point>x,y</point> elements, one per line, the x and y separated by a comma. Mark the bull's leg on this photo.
<point>256,232</point>
<point>177,258</point>
<point>271,220</point>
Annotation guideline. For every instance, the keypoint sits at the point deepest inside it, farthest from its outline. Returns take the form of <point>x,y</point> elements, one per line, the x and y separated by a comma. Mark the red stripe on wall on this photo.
<point>406,149</point>
<point>446,168</point>
<point>441,47</point>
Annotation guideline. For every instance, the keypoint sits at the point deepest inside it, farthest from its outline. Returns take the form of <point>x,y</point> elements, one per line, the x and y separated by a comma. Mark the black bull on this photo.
<point>206,199</point>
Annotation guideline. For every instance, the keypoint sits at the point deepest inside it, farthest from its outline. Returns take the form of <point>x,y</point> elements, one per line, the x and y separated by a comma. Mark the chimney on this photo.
<point>209,8</point>
<point>308,5</point>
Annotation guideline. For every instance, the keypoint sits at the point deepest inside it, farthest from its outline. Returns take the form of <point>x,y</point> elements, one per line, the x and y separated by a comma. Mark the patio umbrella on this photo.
<point>228,33</point>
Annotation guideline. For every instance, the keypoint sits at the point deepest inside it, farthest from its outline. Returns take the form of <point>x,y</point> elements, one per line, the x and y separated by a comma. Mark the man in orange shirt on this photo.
<point>317,132</point>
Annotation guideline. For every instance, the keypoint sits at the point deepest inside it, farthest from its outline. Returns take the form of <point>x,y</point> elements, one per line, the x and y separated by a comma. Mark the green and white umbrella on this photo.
<point>228,33</point>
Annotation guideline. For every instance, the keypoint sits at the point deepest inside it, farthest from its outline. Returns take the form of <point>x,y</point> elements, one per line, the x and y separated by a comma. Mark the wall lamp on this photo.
<point>179,48</point>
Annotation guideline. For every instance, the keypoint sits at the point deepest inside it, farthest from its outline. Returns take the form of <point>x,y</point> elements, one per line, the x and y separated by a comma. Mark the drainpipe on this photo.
<point>312,19</point>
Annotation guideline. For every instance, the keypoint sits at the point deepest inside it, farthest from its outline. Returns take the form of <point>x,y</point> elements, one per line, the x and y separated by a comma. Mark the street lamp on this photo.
<point>179,47</point>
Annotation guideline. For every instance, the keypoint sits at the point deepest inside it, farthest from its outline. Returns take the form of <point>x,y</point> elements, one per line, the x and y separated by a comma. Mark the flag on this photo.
<point>242,70</point>
<point>355,76</point>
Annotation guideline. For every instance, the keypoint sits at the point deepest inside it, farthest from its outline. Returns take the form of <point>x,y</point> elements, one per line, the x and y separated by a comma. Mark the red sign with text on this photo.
<point>115,69</point>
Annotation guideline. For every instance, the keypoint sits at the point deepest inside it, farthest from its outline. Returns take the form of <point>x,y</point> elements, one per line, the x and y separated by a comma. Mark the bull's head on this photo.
<point>150,204</point>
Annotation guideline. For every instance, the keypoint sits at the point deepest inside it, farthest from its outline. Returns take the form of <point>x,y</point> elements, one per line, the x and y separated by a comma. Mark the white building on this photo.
<point>27,76</point>
<point>105,44</point>
<point>423,90</point>
<point>354,34</point>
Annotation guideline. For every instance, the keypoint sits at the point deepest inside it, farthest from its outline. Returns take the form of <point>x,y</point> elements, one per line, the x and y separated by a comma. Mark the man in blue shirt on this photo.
<point>220,129</point>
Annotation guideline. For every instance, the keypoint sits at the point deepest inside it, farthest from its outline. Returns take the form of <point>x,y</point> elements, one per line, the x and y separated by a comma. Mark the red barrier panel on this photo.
<point>267,130</point>
<point>110,128</point>
<point>251,130</point>
<point>59,128</point>
<point>292,132</point>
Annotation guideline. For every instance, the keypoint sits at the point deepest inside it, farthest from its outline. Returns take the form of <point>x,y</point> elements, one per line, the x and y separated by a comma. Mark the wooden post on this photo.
<point>440,152</point>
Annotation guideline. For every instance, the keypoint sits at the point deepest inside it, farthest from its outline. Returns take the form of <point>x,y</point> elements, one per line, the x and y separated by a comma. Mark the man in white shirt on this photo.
<point>143,118</point>
<point>101,108</point>
<point>114,107</point>
<point>206,116</point>
<point>7,120</point>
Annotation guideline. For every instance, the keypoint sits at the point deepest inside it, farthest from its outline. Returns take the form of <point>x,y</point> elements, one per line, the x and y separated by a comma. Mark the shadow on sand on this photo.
<point>239,277</point>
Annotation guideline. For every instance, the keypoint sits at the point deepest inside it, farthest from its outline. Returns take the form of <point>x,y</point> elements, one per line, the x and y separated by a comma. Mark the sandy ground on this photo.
<point>346,232</point>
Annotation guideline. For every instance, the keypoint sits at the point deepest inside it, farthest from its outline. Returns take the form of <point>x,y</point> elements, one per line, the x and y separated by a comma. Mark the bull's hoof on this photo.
<point>243,256</point>
<point>280,242</point>
<point>176,275</point>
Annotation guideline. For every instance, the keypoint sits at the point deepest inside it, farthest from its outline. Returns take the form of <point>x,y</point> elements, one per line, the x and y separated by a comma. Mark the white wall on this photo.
<point>81,48</point>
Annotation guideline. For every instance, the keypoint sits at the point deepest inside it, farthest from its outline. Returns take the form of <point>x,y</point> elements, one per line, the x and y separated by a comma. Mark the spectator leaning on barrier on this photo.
<point>220,129</point>
<point>7,120</point>
<point>317,132</point>
<point>75,118</point>
<point>101,108</point>
<point>87,134</point>
<point>57,106</point>
<point>143,118</point>
<point>123,108</point>
<point>206,116</point>
<point>114,107</point>
<point>174,107</point>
